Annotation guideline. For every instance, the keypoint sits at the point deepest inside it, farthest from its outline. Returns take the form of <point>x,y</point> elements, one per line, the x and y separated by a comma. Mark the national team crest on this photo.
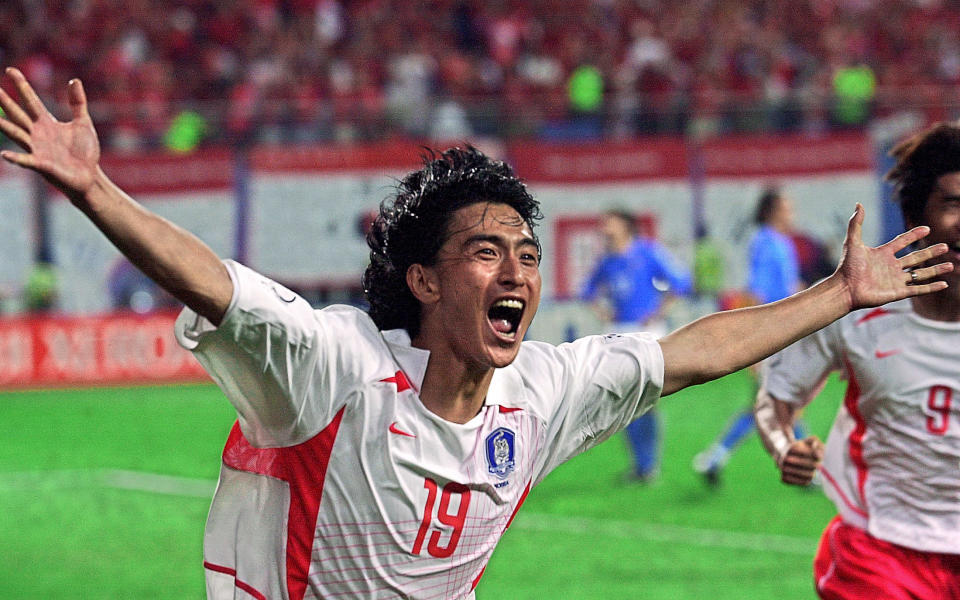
<point>501,449</point>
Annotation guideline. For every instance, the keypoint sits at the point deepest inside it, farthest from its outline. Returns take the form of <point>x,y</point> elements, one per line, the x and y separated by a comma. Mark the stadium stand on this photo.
<point>310,71</point>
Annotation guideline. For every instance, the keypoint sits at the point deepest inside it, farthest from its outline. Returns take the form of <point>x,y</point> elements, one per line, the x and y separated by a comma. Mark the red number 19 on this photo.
<point>938,409</point>
<point>443,515</point>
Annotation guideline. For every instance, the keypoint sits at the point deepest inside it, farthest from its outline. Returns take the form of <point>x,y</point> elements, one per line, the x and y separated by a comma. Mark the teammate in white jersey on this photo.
<point>382,455</point>
<point>892,460</point>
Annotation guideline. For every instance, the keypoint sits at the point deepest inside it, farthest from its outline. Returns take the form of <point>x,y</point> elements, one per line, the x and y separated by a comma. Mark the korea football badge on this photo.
<point>501,449</point>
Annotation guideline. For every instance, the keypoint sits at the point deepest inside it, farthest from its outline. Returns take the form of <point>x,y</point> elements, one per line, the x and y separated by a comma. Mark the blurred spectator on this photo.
<point>40,291</point>
<point>130,289</point>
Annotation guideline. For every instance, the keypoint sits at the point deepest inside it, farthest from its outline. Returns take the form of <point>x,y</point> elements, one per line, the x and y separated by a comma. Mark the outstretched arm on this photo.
<point>68,156</point>
<point>724,342</point>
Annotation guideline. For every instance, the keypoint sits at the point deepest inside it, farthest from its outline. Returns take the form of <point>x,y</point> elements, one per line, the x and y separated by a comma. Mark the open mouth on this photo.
<point>505,316</point>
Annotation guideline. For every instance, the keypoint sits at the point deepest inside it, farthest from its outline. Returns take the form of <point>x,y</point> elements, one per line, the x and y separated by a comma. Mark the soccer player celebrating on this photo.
<point>891,461</point>
<point>383,454</point>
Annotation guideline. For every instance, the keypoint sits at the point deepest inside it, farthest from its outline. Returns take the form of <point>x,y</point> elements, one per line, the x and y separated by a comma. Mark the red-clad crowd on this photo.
<point>317,70</point>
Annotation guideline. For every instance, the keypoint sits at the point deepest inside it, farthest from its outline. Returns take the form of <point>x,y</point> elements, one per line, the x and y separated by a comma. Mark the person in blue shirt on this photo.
<point>774,274</point>
<point>774,269</point>
<point>631,285</point>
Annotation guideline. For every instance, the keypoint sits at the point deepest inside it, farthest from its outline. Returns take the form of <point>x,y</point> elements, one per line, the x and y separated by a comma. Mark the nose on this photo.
<point>511,271</point>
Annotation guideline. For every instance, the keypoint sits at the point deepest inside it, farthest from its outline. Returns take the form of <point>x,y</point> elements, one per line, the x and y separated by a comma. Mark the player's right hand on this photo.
<point>66,154</point>
<point>801,461</point>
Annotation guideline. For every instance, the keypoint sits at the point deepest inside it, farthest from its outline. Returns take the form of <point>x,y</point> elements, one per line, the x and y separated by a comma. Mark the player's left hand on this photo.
<point>875,276</point>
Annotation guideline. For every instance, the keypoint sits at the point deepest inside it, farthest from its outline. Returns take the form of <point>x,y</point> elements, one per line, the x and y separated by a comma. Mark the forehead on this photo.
<point>949,183</point>
<point>488,218</point>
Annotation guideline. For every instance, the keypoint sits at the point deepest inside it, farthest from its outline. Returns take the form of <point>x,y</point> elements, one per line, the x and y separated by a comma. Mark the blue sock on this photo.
<point>738,429</point>
<point>644,438</point>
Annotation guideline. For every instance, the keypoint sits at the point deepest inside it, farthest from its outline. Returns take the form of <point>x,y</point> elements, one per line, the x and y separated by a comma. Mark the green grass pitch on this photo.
<point>78,519</point>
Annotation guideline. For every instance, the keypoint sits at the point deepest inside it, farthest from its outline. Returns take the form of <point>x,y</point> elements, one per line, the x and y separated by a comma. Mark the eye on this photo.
<point>529,257</point>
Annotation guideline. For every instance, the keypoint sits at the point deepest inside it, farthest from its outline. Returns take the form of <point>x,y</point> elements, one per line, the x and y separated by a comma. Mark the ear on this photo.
<point>423,283</point>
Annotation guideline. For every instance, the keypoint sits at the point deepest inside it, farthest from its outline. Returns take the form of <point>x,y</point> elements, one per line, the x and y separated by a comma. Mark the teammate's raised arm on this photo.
<point>725,342</point>
<point>67,154</point>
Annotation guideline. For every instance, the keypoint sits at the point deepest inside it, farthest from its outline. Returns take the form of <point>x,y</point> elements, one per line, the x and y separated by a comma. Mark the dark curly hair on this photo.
<point>767,204</point>
<point>412,225</point>
<point>921,160</point>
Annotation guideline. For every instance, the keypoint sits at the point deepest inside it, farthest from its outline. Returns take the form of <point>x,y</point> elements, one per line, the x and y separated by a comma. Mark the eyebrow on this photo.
<point>499,240</point>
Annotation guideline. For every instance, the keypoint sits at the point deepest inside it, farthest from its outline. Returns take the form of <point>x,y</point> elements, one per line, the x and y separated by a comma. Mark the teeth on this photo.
<point>509,304</point>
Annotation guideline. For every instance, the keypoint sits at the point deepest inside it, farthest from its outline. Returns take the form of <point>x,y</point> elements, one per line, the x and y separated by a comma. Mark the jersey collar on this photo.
<point>412,361</point>
<point>506,387</point>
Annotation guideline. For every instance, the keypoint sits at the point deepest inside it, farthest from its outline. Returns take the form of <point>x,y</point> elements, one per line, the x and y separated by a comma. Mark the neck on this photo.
<point>453,391</point>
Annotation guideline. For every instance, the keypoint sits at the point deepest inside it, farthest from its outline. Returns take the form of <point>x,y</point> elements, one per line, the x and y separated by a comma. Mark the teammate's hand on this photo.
<point>801,461</point>
<point>66,154</point>
<point>875,276</point>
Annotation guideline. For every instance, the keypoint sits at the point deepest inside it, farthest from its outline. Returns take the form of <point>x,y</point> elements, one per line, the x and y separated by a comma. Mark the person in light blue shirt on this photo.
<point>631,285</point>
<point>774,274</point>
<point>774,270</point>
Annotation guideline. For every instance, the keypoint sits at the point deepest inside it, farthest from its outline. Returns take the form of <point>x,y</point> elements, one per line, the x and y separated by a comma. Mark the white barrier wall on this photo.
<point>17,233</point>
<point>304,206</point>
<point>195,192</point>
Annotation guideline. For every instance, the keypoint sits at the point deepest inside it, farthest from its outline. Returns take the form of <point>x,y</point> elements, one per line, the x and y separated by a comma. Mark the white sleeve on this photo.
<point>278,360</point>
<point>794,374</point>
<point>604,382</point>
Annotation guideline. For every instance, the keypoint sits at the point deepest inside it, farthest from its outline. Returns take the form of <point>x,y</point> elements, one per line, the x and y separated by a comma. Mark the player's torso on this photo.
<point>895,447</point>
<point>413,505</point>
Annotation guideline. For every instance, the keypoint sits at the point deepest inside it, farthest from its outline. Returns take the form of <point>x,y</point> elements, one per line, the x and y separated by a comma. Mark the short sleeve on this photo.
<point>278,360</point>
<point>794,373</point>
<point>603,383</point>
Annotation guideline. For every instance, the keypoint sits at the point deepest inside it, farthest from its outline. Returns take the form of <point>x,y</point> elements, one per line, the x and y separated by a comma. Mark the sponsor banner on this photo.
<point>382,157</point>
<point>122,348</point>
<point>658,158</point>
<point>162,173</point>
<point>768,156</point>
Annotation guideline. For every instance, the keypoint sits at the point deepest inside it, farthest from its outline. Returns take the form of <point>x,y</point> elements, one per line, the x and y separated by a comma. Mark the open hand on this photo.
<point>875,276</point>
<point>66,154</point>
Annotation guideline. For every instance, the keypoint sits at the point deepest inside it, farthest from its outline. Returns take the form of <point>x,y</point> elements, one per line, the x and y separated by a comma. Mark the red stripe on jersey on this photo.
<point>304,468</point>
<point>523,497</point>
<point>855,443</point>
<point>843,496</point>
<point>400,379</point>
<point>240,584</point>
<point>507,409</point>
<point>873,314</point>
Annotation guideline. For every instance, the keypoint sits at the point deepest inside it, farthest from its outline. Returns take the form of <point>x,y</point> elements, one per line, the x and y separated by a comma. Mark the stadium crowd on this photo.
<point>291,71</point>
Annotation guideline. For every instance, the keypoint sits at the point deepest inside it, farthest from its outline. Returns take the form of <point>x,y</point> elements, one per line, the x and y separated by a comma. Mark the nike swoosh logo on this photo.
<point>290,298</point>
<point>396,430</point>
<point>886,353</point>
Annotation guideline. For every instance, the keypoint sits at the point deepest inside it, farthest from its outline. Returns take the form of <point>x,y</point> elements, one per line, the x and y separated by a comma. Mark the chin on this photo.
<point>503,356</point>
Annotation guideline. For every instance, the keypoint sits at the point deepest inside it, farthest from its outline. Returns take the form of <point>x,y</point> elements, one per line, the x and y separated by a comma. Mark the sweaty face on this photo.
<point>942,215</point>
<point>488,271</point>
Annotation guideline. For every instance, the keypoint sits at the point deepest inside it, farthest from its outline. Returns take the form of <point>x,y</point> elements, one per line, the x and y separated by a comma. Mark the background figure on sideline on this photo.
<point>632,285</point>
<point>774,274</point>
<point>891,458</point>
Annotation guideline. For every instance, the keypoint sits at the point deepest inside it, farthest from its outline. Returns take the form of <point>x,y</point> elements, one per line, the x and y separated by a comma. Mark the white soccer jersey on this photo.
<point>338,483</point>
<point>892,463</point>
